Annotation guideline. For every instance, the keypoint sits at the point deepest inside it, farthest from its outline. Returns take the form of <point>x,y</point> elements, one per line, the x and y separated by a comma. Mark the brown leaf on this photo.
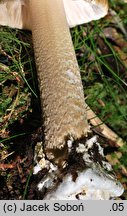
<point>6,166</point>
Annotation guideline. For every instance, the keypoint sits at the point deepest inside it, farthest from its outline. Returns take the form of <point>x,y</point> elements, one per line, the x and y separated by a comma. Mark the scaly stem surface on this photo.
<point>61,90</point>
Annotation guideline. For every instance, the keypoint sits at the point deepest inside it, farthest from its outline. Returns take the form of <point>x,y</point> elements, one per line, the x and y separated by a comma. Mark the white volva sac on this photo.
<point>95,182</point>
<point>89,185</point>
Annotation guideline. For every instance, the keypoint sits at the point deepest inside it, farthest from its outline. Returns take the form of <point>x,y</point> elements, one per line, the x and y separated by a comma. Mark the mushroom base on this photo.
<point>84,176</point>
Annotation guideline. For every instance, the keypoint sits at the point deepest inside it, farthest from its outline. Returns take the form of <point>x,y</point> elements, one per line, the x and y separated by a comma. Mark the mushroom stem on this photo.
<point>61,90</point>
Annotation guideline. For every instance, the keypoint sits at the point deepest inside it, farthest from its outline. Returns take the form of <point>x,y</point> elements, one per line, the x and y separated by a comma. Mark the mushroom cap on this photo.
<point>84,11</point>
<point>16,14</point>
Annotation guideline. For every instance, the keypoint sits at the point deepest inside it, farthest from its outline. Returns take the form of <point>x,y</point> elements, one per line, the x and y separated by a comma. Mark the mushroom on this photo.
<point>64,110</point>
<point>17,14</point>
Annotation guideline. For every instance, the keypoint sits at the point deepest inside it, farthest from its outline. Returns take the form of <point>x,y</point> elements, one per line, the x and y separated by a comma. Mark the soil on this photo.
<point>16,179</point>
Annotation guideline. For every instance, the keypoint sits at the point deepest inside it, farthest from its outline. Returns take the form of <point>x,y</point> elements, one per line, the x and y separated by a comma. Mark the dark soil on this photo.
<point>16,179</point>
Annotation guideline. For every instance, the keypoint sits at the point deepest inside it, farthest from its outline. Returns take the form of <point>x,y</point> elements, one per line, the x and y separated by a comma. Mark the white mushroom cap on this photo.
<point>84,11</point>
<point>16,14</point>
